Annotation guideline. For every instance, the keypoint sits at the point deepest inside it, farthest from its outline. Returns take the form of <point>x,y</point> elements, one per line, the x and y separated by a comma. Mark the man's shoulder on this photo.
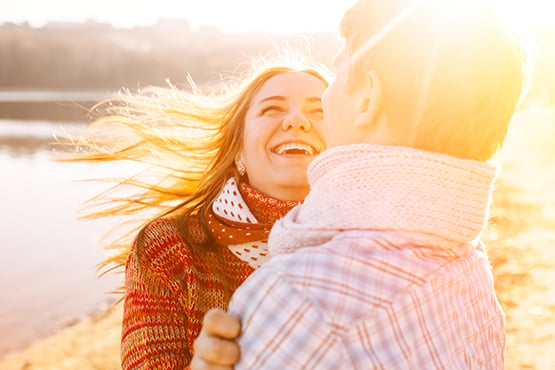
<point>358,244</point>
<point>351,267</point>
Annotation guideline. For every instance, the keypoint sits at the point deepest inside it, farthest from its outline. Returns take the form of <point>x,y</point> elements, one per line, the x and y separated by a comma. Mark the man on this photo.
<point>381,266</point>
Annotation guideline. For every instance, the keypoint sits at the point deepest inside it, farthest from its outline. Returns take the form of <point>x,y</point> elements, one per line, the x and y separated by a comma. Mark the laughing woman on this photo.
<point>229,165</point>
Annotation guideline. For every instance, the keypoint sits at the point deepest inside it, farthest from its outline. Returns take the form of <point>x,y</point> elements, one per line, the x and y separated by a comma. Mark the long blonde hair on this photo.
<point>187,139</point>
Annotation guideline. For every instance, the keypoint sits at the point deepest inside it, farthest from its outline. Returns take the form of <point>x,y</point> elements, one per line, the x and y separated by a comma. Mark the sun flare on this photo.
<point>525,14</point>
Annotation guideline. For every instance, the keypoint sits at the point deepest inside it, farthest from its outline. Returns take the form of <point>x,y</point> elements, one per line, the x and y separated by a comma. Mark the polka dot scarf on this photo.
<point>242,218</point>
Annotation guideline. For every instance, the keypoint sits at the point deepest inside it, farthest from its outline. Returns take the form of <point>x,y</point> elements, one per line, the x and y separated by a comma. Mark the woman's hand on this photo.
<point>215,347</point>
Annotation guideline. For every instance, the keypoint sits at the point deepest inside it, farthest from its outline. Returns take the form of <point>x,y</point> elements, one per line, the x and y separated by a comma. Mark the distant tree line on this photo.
<point>93,56</point>
<point>97,56</point>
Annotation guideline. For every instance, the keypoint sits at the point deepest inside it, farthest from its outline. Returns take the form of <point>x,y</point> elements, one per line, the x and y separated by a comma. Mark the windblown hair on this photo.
<point>187,141</point>
<point>452,75</point>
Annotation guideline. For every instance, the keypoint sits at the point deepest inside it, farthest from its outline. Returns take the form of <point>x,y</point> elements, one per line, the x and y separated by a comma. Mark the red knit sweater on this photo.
<point>171,285</point>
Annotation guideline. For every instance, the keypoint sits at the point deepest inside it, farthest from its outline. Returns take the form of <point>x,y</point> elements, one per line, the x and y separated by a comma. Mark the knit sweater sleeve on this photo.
<point>154,330</point>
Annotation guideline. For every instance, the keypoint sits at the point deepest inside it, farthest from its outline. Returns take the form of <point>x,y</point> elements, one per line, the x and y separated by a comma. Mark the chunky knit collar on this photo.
<point>427,198</point>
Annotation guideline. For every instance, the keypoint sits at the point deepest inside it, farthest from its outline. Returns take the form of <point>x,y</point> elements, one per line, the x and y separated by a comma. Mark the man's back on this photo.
<point>397,292</point>
<point>357,302</point>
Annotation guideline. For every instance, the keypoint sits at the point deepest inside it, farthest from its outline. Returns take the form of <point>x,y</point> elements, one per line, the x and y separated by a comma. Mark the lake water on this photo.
<point>48,258</point>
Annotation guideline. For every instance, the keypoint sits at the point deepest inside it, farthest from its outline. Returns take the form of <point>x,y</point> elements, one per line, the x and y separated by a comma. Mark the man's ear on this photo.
<point>370,101</point>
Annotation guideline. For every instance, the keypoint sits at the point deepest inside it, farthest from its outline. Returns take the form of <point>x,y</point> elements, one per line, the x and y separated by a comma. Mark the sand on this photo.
<point>520,241</point>
<point>92,343</point>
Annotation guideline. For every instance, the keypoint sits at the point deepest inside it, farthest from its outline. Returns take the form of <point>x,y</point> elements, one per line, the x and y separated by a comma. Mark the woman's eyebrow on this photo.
<point>281,98</point>
<point>273,97</point>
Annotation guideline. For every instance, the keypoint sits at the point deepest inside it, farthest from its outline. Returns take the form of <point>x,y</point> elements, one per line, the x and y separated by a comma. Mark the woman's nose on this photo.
<point>296,121</point>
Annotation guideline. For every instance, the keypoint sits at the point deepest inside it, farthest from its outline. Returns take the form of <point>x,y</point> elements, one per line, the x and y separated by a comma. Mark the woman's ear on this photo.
<point>370,105</point>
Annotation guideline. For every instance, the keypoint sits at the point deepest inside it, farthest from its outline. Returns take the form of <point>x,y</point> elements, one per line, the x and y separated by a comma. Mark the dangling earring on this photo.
<point>241,168</point>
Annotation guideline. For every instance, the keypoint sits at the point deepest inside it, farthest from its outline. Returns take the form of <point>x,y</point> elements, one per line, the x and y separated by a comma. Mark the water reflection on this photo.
<point>24,138</point>
<point>49,259</point>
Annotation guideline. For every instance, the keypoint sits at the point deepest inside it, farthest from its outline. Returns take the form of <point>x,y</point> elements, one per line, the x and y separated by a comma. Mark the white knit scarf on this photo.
<point>428,198</point>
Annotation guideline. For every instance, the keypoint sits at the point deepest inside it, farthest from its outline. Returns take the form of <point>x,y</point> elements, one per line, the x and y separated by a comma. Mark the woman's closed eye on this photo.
<point>316,113</point>
<point>272,111</point>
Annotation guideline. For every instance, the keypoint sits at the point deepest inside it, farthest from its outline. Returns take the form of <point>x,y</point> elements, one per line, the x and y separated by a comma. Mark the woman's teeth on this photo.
<point>295,148</point>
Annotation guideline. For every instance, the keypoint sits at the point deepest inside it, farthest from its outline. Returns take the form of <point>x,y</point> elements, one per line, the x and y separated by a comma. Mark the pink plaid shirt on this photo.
<point>380,268</point>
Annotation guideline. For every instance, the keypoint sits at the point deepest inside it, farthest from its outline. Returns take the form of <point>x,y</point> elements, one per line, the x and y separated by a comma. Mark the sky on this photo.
<point>276,16</point>
<point>282,16</point>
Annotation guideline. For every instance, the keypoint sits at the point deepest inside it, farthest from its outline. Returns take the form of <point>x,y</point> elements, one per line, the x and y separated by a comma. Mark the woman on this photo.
<point>237,162</point>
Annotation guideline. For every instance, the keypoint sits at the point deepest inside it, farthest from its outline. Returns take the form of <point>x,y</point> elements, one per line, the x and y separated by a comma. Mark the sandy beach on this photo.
<point>520,241</point>
<point>92,343</point>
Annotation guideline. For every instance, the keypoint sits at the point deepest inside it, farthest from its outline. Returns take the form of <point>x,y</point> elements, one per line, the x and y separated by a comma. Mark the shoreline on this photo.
<point>19,343</point>
<point>90,343</point>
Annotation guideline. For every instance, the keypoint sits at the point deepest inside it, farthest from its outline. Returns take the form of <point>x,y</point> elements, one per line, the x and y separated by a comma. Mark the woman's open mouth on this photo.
<point>295,149</point>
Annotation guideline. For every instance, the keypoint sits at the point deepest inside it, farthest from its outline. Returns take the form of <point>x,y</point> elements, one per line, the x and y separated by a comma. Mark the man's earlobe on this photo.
<point>370,102</point>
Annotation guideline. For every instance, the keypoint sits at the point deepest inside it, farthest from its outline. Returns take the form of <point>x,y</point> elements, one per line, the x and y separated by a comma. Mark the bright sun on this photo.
<point>527,13</point>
